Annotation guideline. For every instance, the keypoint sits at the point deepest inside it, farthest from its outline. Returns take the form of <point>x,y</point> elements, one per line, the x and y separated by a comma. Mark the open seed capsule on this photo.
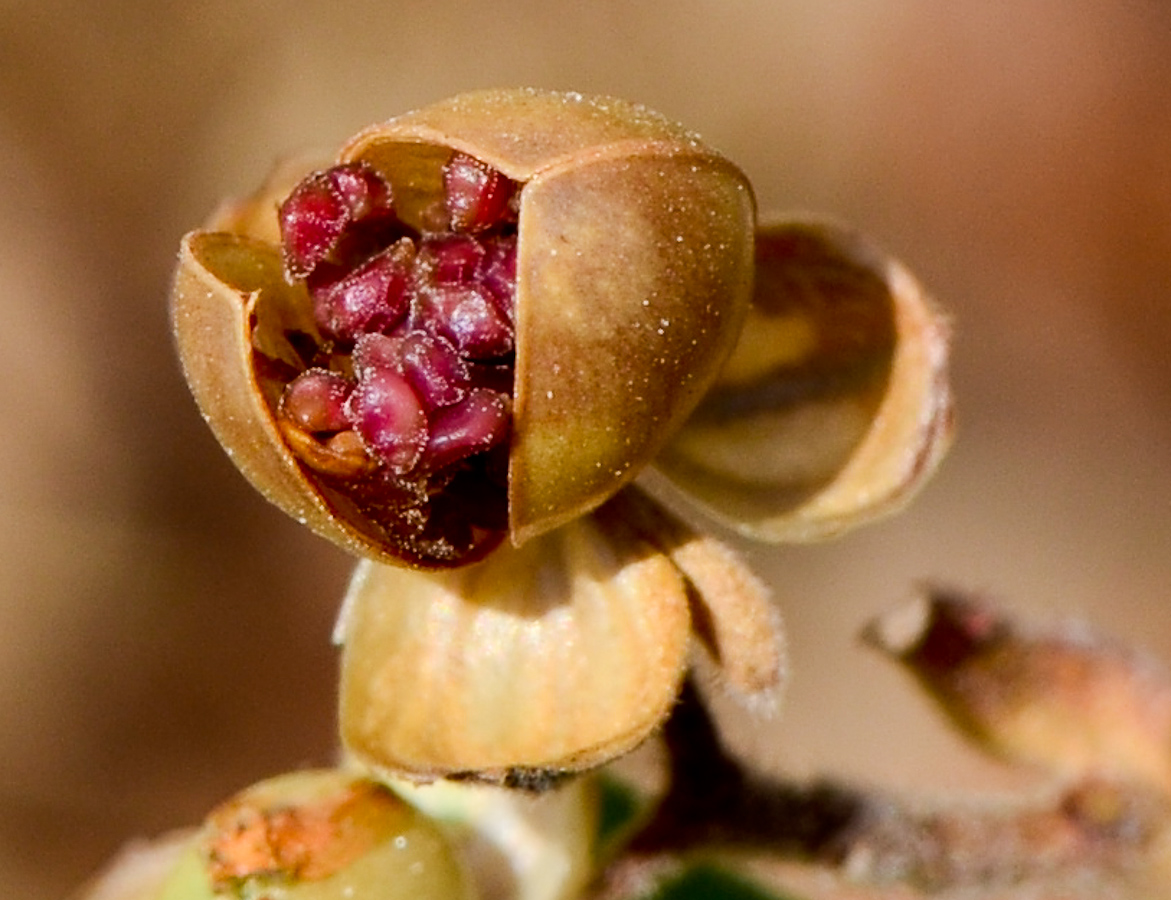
<point>480,323</point>
<point>834,408</point>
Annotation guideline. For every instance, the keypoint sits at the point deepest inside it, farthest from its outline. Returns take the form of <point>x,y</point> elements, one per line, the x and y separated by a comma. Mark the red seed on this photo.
<point>373,297</point>
<point>425,324</point>
<point>497,272</point>
<point>317,214</point>
<point>471,426</point>
<point>312,220</point>
<point>377,351</point>
<point>476,195</point>
<point>364,192</point>
<point>314,401</point>
<point>434,369</point>
<point>466,316</point>
<point>390,419</point>
<point>450,258</point>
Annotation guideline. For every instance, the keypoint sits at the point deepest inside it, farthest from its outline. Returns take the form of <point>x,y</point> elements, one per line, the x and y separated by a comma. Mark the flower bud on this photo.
<point>481,322</point>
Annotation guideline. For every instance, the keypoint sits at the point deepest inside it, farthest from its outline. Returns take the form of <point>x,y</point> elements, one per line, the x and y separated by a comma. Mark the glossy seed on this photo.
<point>371,298</point>
<point>474,424</point>
<point>390,419</point>
<point>424,322</point>
<point>315,401</point>
<point>476,194</point>
<point>323,207</point>
<point>434,368</point>
<point>468,317</point>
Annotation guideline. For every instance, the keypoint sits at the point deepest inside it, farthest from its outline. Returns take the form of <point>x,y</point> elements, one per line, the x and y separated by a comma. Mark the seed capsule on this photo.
<point>479,324</point>
<point>834,408</point>
<point>552,657</point>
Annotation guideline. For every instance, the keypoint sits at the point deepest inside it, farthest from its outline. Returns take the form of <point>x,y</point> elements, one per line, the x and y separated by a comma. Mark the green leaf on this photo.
<point>708,882</point>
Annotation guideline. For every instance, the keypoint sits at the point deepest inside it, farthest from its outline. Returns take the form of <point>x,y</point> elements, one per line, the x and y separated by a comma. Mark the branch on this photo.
<point>1096,831</point>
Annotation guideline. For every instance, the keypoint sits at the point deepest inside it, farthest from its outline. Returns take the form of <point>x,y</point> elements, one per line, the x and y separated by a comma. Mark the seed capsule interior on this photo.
<point>405,402</point>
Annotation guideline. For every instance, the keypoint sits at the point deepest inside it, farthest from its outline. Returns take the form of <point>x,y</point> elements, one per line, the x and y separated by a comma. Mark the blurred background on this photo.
<point>164,634</point>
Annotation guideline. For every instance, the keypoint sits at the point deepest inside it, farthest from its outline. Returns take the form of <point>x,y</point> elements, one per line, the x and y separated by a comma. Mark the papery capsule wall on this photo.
<point>634,272</point>
<point>633,275</point>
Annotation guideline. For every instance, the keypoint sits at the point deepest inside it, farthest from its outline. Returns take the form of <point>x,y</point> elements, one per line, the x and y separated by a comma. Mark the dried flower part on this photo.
<point>834,406</point>
<point>1069,702</point>
<point>736,626</point>
<point>518,296</point>
<point>551,657</point>
<point>317,835</point>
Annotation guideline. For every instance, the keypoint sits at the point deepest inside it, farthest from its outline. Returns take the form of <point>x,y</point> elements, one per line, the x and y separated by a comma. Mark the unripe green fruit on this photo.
<point>317,835</point>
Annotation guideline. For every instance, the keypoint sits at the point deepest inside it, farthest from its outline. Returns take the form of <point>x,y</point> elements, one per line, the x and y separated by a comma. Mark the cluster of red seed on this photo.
<point>406,404</point>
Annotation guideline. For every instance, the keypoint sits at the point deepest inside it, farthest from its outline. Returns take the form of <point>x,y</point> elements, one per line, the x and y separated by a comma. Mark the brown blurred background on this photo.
<point>164,634</point>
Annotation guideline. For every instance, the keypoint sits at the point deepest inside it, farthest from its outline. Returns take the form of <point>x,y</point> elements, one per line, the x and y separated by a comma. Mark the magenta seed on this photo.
<point>314,401</point>
<point>372,297</point>
<point>476,194</point>
<point>497,272</point>
<point>471,426</point>
<point>450,258</point>
<point>435,370</point>
<point>466,316</point>
<point>317,214</point>
<point>390,419</point>
<point>312,220</point>
<point>362,190</point>
<point>377,351</point>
